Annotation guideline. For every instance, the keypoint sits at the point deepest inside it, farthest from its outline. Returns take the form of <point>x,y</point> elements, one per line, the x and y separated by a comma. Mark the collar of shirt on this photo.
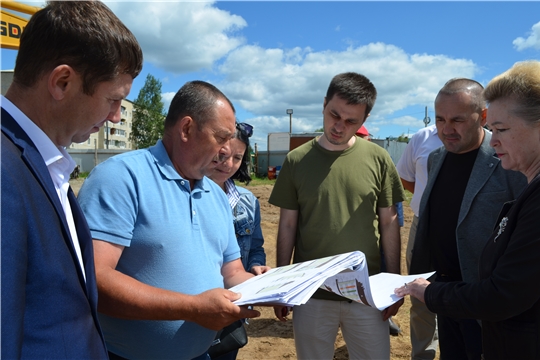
<point>232,193</point>
<point>167,169</point>
<point>434,132</point>
<point>59,164</point>
<point>58,161</point>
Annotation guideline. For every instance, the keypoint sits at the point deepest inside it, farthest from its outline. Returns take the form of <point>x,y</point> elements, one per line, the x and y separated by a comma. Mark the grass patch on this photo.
<point>256,181</point>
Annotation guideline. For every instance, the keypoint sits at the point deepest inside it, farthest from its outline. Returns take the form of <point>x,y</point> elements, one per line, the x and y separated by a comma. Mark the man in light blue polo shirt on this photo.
<point>163,236</point>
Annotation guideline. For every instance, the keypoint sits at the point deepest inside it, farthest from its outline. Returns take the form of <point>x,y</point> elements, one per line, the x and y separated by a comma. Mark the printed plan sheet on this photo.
<point>344,274</point>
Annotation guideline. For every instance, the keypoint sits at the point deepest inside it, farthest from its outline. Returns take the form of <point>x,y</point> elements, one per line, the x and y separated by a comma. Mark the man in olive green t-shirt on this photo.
<point>337,194</point>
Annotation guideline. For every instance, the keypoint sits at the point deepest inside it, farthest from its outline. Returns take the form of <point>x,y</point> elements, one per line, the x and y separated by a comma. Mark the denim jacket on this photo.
<point>247,226</point>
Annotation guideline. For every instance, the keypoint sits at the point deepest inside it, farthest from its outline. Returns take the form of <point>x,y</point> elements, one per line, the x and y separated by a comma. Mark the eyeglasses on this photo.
<point>245,129</point>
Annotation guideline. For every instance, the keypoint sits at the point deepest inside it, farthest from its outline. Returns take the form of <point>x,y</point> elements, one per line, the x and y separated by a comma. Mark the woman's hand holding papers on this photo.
<point>414,288</point>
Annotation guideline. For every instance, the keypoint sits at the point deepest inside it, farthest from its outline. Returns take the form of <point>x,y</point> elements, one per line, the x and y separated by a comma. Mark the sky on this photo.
<point>268,57</point>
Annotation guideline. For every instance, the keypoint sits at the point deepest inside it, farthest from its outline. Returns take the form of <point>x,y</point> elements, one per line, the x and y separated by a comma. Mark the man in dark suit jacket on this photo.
<point>67,82</point>
<point>465,190</point>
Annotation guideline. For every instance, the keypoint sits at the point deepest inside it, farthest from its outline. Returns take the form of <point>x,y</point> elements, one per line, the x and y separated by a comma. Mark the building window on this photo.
<point>117,132</point>
<point>120,144</point>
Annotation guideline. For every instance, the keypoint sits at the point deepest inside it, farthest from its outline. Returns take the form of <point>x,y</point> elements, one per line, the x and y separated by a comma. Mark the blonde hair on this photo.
<point>521,83</point>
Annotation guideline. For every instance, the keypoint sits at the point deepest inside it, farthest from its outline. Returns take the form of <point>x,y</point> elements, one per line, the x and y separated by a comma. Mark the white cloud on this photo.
<point>181,37</point>
<point>533,41</point>
<point>167,98</point>
<point>266,82</point>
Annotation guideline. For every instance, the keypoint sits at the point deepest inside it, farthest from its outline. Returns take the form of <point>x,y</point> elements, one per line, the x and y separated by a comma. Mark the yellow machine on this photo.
<point>11,25</point>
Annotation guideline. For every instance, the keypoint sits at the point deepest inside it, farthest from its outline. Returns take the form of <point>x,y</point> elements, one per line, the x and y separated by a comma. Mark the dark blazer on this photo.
<point>48,309</point>
<point>489,187</point>
<point>507,299</point>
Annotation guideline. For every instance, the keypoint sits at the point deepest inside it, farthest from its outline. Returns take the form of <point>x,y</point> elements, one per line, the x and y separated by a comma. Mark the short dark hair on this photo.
<point>242,174</point>
<point>196,99</point>
<point>85,35</point>
<point>469,86</point>
<point>354,88</point>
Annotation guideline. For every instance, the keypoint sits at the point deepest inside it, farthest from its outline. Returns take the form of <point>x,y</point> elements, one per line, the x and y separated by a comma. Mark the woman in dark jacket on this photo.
<point>507,298</point>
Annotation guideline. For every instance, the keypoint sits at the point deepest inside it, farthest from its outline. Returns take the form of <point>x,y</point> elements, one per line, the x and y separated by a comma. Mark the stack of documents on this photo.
<point>344,274</point>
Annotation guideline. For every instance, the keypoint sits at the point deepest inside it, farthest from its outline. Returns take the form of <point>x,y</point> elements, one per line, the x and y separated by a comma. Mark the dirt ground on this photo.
<point>271,339</point>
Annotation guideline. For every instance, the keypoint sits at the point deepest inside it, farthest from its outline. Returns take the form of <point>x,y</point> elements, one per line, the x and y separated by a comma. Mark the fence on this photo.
<point>275,158</point>
<point>87,159</point>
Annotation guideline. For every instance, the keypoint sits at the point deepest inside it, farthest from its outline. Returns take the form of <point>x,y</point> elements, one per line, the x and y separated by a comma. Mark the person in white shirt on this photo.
<point>412,169</point>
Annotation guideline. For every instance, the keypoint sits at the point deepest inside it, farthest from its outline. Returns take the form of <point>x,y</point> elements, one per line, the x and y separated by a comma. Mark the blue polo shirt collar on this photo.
<point>166,167</point>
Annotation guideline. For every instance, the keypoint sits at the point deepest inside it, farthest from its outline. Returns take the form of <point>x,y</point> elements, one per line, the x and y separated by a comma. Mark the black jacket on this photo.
<point>507,298</point>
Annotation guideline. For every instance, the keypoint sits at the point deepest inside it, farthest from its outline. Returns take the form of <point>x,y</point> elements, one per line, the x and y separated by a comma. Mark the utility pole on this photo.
<point>427,120</point>
<point>290,112</point>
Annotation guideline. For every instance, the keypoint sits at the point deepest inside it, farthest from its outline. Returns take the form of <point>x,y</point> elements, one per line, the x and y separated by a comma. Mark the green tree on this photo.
<point>148,116</point>
<point>319,130</point>
<point>402,138</point>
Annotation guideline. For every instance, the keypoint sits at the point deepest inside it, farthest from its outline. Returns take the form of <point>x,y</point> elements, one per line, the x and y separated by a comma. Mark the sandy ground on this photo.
<point>272,339</point>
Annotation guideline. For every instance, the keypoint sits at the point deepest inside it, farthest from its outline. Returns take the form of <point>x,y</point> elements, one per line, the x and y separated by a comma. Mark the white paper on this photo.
<point>294,284</point>
<point>382,287</point>
<point>344,274</point>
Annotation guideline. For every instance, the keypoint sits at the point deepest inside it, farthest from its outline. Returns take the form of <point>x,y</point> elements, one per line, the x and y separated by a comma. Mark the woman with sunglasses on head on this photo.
<point>245,206</point>
<point>507,298</point>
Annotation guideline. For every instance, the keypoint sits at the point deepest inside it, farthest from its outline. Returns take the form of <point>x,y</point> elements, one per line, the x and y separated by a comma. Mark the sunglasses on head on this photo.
<point>245,129</point>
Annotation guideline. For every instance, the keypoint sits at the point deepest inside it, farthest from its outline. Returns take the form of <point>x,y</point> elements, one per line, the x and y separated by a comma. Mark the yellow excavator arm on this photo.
<point>11,25</point>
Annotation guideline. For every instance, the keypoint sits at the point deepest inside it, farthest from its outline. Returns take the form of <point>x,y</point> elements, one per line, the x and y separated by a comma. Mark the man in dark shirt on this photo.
<point>465,191</point>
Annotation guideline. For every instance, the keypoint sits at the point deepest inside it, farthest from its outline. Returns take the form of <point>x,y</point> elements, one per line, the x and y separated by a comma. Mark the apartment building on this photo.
<point>112,136</point>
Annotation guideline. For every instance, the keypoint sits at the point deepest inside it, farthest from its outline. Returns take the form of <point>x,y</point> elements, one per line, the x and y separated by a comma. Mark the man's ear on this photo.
<point>61,80</point>
<point>186,128</point>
